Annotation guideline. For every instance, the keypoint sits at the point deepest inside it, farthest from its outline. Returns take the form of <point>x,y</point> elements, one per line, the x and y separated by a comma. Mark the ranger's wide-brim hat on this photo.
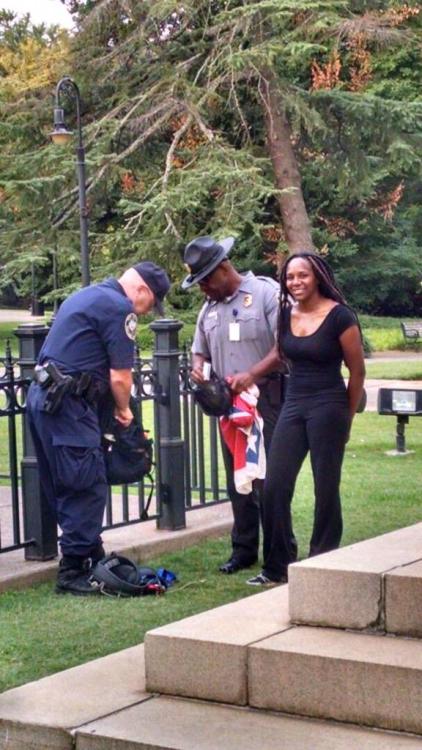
<point>202,256</point>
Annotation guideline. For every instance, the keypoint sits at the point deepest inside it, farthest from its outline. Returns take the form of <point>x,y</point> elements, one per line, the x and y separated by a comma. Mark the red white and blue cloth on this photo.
<point>242,431</point>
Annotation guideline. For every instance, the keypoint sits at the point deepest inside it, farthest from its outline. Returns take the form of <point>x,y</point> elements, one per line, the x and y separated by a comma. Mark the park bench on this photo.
<point>412,331</point>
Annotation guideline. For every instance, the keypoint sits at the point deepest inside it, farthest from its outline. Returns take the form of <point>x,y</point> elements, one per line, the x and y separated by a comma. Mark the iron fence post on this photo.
<point>170,444</point>
<point>39,522</point>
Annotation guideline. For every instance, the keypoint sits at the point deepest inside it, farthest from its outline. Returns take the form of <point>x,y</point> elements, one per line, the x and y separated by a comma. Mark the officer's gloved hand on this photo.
<point>123,416</point>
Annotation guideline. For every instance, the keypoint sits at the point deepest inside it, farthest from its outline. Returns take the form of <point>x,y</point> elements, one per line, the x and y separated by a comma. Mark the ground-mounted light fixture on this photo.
<point>402,403</point>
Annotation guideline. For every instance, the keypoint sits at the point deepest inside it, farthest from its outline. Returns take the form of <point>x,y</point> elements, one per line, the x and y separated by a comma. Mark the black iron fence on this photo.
<point>188,472</point>
<point>12,400</point>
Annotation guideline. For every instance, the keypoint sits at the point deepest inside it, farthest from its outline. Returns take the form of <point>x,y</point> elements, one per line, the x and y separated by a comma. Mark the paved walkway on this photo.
<point>372,387</point>
<point>18,316</point>
<point>393,356</point>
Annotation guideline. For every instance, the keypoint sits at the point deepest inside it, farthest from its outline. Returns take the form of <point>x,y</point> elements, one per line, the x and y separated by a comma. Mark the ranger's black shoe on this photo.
<point>233,565</point>
<point>73,577</point>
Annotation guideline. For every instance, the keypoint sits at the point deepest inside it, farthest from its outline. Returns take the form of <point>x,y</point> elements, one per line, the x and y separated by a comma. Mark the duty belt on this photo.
<point>59,385</point>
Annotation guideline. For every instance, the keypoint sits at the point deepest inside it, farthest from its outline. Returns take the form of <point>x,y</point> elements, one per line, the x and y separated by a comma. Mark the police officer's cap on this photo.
<point>203,255</point>
<point>157,280</point>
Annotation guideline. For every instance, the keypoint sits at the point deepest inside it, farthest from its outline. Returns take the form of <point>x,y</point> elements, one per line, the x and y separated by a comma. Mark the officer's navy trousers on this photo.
<point>72,470</point>
<point>247,508</point>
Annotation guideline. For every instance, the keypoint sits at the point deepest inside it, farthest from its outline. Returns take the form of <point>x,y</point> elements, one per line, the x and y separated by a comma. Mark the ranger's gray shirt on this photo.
<point>254,306</point>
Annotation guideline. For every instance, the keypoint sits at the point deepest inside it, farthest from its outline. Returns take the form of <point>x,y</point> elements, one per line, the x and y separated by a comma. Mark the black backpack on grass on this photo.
<point>116,575</point>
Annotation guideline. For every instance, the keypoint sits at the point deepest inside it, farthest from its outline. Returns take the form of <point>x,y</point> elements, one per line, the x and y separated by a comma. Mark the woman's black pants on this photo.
<point>318,424</point>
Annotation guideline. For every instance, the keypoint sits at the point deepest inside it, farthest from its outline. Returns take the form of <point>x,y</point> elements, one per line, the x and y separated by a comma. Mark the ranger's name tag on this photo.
<point>234,332</point>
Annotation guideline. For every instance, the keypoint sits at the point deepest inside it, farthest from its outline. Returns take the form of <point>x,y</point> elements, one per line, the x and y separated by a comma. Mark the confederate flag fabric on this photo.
<point>242,431</point>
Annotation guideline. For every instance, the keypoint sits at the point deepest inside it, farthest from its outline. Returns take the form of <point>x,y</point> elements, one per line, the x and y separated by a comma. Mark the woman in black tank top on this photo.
<point>317,332</point>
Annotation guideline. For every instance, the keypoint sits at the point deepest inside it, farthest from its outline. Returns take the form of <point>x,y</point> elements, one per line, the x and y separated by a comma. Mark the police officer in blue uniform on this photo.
<point>87,355</point>
<point>235,334</point>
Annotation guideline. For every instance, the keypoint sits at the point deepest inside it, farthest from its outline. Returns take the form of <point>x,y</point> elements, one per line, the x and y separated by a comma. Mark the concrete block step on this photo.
<point>403,600</point>
<point>42,715</point>
<point>165,723</point>
<point>205,656</point>
<point>375,680</point>
<point>345,588</point>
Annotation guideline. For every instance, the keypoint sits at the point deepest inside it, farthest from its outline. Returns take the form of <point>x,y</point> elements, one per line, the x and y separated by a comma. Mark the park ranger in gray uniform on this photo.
<point>235,332</point>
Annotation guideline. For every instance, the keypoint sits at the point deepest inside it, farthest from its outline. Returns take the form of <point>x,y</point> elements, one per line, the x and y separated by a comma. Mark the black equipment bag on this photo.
<point>116,575</point>
<point>128,451</point>
<point>128,454</point>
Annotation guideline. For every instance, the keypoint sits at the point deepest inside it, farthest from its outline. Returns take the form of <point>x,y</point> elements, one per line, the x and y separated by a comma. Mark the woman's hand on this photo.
<point>351,344</point>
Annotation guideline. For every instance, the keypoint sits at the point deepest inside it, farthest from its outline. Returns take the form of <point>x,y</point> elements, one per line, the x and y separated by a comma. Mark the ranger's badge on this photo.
<point>247,300</point>
<point>130,326</point>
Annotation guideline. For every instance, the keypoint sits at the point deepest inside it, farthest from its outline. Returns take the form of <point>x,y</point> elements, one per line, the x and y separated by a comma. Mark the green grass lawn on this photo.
<point>393,370</point>
<point>6,334</point>
<point>42,633</point>
<point>383,333</point>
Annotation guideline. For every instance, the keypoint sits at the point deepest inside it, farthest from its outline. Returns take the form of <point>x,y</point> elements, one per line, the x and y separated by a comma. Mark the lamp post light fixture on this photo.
<point>60,136</point>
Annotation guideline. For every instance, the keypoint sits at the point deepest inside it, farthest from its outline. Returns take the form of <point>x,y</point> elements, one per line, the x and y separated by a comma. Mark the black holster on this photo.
<point>56,393</point>
<point>59,385</point>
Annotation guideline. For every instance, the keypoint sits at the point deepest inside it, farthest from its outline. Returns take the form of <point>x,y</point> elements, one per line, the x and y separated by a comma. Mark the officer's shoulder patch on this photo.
<point>130,326</point>
<point>270,281</point>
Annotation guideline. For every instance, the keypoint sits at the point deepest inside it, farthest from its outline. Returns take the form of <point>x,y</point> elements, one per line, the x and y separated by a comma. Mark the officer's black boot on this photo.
<point>97,554</point>
<point>73,576</point>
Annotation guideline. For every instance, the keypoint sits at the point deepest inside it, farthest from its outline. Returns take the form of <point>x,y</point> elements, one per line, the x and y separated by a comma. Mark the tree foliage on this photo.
<point>283,123</point>
<point>32,59</point>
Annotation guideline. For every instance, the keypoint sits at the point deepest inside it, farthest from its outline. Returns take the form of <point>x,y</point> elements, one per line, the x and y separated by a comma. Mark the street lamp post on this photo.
<point>55,278</point>
<point>61,135</point>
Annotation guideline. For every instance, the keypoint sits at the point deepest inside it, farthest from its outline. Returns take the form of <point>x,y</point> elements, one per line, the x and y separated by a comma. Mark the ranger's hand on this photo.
<point>124,416</point>
<point>197,375</point>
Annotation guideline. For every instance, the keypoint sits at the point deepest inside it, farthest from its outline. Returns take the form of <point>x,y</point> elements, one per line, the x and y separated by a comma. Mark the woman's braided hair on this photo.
<point>326,283</point>
<point>323,274</point>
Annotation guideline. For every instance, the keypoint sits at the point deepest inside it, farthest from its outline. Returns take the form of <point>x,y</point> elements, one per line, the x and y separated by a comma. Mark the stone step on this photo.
<point>42,715</point>
<point>103,705</point>
<point>248,652</point>
<point>403,600</point>
<point>372,584</point>
<point>165,723</point>
<point>205,656</point>
<point>324,673</point>
<point>374,680</point>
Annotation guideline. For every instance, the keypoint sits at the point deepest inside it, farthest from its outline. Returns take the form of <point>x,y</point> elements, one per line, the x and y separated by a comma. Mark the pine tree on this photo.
<point>288,124</point>
<point>32,57</point>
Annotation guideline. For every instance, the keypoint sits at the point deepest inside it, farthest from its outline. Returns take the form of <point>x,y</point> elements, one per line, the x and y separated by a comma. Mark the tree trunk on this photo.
<point>296,224</point>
